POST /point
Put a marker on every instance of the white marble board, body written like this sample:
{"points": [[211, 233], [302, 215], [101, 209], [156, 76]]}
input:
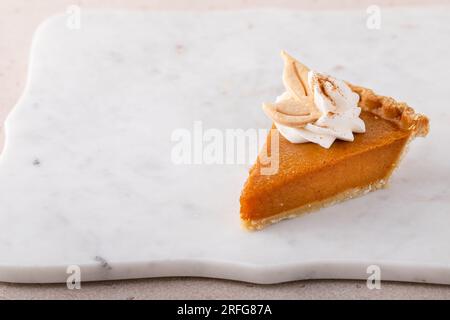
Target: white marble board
{"points": [[86, 176]]}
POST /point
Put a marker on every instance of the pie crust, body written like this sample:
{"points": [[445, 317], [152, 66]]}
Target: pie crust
{"points": [[397, 112]]}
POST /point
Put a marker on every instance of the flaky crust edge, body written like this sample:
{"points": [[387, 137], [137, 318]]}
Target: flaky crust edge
{"points": [[389, 109]]}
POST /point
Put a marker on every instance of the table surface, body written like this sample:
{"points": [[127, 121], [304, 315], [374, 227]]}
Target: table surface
{"points": [[18, 20]]}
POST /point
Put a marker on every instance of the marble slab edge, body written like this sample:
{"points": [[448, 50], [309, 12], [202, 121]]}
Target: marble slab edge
{"points": [[348, 270]]}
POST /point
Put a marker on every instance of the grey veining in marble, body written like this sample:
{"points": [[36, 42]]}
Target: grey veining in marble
{"points": [[86, 176]]}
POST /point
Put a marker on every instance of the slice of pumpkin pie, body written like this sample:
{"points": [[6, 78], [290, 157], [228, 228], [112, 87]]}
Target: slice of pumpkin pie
{"points": [[334, 141]]}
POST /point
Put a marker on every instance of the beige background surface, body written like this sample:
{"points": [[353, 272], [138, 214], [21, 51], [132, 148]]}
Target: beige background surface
{"points": [[18, 20]]}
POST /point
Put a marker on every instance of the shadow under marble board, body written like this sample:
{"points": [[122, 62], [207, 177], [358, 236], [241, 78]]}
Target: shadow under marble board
{"points": [[87, 176]]}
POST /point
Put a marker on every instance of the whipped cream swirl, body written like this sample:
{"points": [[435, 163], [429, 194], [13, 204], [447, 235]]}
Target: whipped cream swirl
{"points": [[339, 109]]}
